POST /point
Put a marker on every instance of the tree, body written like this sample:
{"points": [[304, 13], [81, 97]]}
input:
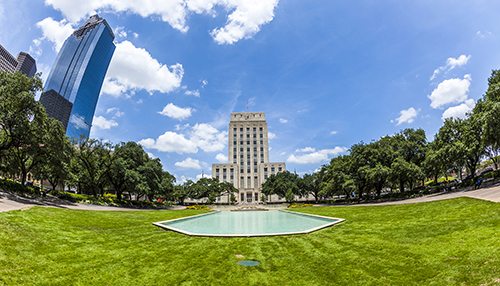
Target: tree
{"points": [[338, 180], [125, 162], [91, 165], [181, 192], [312, 183], [228, 189], [19, 110], [281, 184], [58, 153]]}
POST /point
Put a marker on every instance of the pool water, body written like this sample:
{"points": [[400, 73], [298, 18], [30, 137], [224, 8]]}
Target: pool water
{"points": [[248, 223]]}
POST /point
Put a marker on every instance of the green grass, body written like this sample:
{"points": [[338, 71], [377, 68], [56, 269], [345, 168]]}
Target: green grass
{"points": [[448, 242]]}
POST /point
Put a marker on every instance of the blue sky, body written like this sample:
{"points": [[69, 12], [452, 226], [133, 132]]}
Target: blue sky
{"points": [[328, 74]]}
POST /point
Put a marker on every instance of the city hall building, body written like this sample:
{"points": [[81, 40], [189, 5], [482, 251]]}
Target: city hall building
{"points": [[248, 164]]}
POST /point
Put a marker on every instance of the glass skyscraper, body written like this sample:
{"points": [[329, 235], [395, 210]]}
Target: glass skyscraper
{"points": [[75, 80]]}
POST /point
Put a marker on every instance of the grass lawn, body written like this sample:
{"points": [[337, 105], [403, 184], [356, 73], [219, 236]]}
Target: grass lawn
{"points": [[442, 243]]}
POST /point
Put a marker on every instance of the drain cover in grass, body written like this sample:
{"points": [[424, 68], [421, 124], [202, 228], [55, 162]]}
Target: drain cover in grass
{"points": [[248, 263]]}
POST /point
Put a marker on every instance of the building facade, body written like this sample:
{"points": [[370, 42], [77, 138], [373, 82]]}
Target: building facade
{"points": [[24, 63], [75, 80], [248, 164]]}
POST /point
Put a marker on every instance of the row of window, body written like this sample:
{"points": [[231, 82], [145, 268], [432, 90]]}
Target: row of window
{"points": [[242, 183]]}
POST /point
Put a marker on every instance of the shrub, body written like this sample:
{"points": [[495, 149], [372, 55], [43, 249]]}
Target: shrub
{"points": [[10, 186], [198, 207], [299, 205]]}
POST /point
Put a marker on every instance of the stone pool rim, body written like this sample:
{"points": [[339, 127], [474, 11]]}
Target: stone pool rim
{"points": [[333, 219]]}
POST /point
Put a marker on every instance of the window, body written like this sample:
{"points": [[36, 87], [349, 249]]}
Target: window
{"points": [[261, 142], [242, 182], [235, 142], [234, 156], [217, 173], [279, 169], [242, 197], [249, 182], [254, 142], [241, 129], [260, 129], [261, 149], [241, 149], [255, 182], [256, 197], [254, 129], [248, 149], [255, 170], [261, 136], [248, 142], [272, 170], [248, 135]]}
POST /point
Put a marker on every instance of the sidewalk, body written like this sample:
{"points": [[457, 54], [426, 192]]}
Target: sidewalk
{"points": [[10, 202]]}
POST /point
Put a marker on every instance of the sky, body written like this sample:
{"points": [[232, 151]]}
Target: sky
{"points": [[327, 74]]}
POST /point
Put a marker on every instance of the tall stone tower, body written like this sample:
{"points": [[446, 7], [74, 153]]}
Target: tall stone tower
{"points": [[248, 156]]}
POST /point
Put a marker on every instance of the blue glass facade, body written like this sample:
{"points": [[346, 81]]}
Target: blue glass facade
{"points": [[77, 75]]}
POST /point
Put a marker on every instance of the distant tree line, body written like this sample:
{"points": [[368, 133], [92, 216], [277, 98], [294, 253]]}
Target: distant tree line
{"points": [[406, 159], [33, 144]]}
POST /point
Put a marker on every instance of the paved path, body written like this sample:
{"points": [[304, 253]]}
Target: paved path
{"points": [[12, 202], [487, 193]]}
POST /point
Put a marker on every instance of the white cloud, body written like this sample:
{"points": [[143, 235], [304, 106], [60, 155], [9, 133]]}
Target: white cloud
{"points": [[135, 35], [54, 31], [151, 155], [407, 115], [133, 68], [244, 20], [208, 138], [282, 153], [192, 92], [176, 112], [306, 149], [482, 35], [120, 32], [221, 158], [316, 157], [170, 142], [103, 123], [189, 163], [116, 111], [202, 175], [202, 136], [203, 83], [271, 135], [283, 120], [459, 111], [451, 63], [333, 132], [450, 91]]}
